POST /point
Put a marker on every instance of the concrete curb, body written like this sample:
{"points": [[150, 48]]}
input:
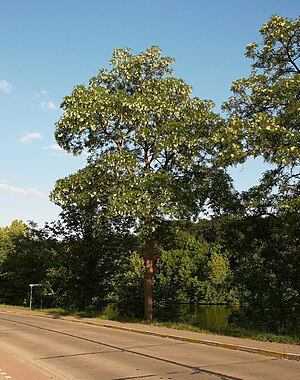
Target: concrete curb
{"points": [[237, 347], [276, 354]]}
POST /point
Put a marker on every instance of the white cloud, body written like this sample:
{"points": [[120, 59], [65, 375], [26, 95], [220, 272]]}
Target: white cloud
{"points": [[5, 86], [55, 149], [29, 137], [49, 106], [26, 192], [41, 93]]}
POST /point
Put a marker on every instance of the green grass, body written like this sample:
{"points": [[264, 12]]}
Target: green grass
{"points": [[110, 314], [234, 332], [15, 307]]}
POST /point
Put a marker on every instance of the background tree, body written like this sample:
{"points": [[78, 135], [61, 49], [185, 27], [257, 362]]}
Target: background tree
{"points": [[197, 273], [263, 120], [92, 245], [264, 117], [264, 254], [25, 257], [149, 143]]}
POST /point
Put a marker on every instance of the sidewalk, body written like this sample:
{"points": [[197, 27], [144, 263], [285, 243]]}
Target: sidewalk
{"points": [[279, 350]]}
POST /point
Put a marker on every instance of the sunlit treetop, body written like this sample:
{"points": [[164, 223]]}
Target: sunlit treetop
{"points": [[264, 112], [143, 129], [279, 53], [137, 106], [264, 109]]}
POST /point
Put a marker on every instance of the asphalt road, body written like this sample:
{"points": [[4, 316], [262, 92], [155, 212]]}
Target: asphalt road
{"points": [[37, 348]]}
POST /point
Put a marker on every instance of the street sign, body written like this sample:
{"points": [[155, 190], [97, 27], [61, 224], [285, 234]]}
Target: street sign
{"points": [[31, 286]]}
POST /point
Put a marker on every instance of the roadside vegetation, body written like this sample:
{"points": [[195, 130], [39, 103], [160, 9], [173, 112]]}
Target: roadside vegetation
{"points": [[154, 221]]}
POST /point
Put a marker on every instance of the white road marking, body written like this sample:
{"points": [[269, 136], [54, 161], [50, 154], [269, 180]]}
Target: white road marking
{"points": [[5, 374]]}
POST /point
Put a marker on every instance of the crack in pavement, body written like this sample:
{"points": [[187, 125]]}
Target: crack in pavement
{"points": [[71, 355]]}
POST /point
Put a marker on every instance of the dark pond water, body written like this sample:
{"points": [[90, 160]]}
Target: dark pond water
{"points": [[207, 316]]}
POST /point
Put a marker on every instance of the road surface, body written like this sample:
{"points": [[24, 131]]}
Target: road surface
{"points": [[38, 348]]}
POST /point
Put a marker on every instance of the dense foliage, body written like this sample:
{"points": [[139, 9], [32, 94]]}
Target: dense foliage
{"points": [[226, 260], [24, 259]]}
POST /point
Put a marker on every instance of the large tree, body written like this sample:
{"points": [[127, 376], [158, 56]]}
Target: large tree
{"points": [[264, 116], [149, 145]]}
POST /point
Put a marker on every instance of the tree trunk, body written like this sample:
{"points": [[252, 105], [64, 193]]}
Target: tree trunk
{"points": [[149, 251]]}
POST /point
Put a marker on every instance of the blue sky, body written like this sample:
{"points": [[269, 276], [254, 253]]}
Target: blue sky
{"points": [[49, 46]]}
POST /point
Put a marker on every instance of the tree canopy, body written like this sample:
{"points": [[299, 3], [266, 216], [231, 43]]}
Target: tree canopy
{"points": [[145, 134], [263, 113]]}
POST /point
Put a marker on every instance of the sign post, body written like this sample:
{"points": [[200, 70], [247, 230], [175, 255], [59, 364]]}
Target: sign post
{"points": [[32, 286]]}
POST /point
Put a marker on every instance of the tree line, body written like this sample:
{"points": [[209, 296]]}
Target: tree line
{"points": [[251, 261], [153, 219]]}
